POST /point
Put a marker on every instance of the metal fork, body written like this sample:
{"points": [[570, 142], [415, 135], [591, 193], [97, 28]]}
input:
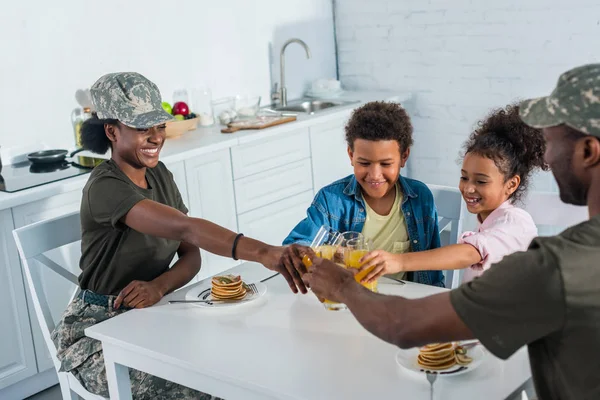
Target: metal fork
{"points": [[431, 377], [253, 288]]}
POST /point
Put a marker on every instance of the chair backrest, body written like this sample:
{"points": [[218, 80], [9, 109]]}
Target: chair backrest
{"points": [[449, 204], [32, 242], [548, 210]]}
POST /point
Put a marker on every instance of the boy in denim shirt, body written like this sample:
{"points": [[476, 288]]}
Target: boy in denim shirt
{"points": [[397, 214]]}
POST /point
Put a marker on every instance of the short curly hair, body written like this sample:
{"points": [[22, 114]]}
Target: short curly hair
{"points": [[379, 120], [515, 147]]}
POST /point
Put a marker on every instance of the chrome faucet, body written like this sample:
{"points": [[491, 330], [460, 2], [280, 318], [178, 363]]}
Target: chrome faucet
{"points": [[282, 93]]}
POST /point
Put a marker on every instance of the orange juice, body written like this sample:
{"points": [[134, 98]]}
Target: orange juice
{"points": [[327, 252], [353, 261], [306, 261]]}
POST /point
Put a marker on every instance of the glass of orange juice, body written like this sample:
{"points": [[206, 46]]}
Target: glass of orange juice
{"points": [[326, 244], [354, 250]]}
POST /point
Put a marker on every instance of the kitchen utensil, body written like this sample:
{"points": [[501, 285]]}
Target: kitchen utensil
{"points": [[51, 156], [431, 378], [258, 123]]}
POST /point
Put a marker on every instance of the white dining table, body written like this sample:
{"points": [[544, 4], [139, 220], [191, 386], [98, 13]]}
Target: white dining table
{"points": [[282, 346]]}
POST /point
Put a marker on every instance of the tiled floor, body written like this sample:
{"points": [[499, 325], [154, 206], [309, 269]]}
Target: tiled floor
{"points": [[52, 393]]}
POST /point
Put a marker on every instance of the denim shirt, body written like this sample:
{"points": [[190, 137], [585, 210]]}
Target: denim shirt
{"points": [[340, 206]]}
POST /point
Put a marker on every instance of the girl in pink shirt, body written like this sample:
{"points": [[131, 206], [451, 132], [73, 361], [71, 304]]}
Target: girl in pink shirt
{"points": [[499, 159]]}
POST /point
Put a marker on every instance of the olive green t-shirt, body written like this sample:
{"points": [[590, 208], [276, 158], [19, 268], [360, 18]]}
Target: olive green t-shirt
{"points": [[547, 298], [113, 254]]}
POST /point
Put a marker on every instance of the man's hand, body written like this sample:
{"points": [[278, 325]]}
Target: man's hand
{"points": [[288, 262], [380, 263], [327, 280], [138, 294]]}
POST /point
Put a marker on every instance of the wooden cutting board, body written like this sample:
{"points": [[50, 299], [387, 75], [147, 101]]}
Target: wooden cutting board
{"points": [[257, 123]]}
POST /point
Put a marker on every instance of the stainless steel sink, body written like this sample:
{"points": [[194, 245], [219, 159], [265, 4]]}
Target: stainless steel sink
{"points": [[311, 106]]}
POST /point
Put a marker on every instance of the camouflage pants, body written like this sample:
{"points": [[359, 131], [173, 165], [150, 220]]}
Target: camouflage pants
{"points": [[82, 356]]}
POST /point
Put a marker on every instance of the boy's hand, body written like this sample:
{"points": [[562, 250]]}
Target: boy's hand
{"points": [[381, 263]]}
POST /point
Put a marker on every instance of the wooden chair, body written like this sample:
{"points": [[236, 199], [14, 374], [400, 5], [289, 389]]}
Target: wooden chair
{"points": [[32, 242]]}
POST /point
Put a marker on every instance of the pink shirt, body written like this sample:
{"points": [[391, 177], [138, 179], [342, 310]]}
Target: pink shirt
{"points": [[506, 230]]}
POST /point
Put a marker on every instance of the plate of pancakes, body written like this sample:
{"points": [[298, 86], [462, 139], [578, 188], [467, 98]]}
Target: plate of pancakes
{"points": [[225, 291], [441, 358]]}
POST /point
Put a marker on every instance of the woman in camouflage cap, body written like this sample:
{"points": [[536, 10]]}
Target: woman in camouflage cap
{"points": [[133, 222]]}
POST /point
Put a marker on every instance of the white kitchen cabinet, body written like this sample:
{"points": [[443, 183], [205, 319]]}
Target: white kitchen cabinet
{"points": [[17, 357], [210, 191], [58, 289], [273, 185], [178, 171], [272, 223], [329, 151], [269, 153]]}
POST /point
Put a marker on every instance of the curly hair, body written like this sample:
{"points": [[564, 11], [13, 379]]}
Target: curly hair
{"points": [[515, 148], [380, 120], [93, 137]]}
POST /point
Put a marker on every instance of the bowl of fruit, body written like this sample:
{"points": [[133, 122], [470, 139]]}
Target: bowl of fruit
{"points": [[185, 120]]}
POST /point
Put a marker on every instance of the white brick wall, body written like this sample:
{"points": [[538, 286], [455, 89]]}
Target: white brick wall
{"points": [[461, 58]]}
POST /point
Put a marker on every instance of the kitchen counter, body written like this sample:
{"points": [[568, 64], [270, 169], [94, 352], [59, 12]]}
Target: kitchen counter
{"points": [[206, 140]]}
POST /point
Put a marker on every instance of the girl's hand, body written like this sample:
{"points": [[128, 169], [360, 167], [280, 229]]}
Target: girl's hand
{"points": [[380, 263]]}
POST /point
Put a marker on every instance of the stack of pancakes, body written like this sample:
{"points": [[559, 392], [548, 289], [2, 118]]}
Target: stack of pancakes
{"points": [[439, 356], [228, 287]]}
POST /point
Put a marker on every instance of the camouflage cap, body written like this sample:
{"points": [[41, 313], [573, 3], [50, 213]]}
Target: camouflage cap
{"points": [[130, 98], [575, 102]]}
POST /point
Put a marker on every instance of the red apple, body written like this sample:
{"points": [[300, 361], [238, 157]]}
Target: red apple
{"points": [[180, 108]]}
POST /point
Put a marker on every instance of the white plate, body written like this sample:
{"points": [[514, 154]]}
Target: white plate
{"points": [[407, 359], [202, 292]]}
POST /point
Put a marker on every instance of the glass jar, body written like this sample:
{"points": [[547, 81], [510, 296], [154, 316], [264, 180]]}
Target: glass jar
{"points": [[202, 106], [78, 117]]}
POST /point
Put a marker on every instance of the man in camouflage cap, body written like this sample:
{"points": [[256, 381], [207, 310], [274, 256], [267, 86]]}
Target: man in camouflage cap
{"points": [[130, 98], [547, 298], [574, 102], [571, 112]]}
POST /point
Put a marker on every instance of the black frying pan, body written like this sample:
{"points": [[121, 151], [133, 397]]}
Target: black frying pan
{"points": [[51, 156]]}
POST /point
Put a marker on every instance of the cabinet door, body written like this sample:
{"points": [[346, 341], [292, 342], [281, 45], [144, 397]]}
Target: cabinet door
{"points": [[268, 187], [329, 152], [274, 222], [58, 289], [270, 153], [210, 191], [17, 358], [178, 171]]}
